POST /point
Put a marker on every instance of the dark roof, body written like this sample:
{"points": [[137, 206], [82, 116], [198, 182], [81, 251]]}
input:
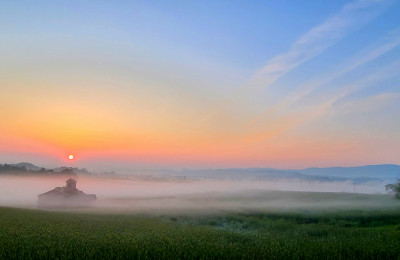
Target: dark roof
{"points": [[57, 190], [63, 192]]}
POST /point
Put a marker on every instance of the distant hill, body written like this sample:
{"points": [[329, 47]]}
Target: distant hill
{"points": [[28, 166], [74, 170], [382, 171], [277, 174], [25, 168], [360, 174]]}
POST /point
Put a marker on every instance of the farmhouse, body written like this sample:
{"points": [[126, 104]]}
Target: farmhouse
{"points": [[67, 196]]}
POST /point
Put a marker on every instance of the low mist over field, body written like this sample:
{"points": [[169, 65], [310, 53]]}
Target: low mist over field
{"points": [[198, 192]]}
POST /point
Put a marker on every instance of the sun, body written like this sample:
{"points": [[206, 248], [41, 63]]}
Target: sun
{"points": [[71, 157]]}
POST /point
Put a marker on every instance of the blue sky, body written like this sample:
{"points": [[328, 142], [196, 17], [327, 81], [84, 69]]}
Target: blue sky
{"points": [[247, 80]]}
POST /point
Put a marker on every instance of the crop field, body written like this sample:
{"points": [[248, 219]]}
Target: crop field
{"points": [[339, 234]]}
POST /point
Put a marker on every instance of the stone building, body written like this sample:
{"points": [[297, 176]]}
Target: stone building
{"points": [[67, 196]]}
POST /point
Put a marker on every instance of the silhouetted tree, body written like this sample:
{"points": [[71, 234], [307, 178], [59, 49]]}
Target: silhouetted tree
{"points": [[394, 189], [67, 171], [8, 168]]}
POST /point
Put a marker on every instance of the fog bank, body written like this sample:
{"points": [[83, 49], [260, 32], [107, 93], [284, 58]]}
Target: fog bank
{"points": [[163, 195]]}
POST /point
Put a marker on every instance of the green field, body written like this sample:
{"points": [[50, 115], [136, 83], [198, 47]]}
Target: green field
{"points": [[348, 234]]}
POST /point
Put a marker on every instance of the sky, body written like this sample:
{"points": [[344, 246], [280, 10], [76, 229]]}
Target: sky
{"points": [[200, 84]]}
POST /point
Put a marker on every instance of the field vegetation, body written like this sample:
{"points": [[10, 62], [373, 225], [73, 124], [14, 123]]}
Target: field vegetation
{"points": [[302, 234]]}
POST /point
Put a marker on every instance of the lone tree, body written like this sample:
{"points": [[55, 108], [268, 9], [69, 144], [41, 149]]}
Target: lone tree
{"points": [[394, 189]]}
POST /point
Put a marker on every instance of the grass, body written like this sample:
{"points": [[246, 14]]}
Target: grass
{"points": [[34, 234]]}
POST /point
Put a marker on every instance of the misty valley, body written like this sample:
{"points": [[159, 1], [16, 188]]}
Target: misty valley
{"points": [[204, 129], [198, 214]]}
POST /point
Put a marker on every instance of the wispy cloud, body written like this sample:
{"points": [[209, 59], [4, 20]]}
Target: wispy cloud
{"points": [[384, 45], [352, 16], [279, 125], [370, 53], [362, 105], [286, 114]]}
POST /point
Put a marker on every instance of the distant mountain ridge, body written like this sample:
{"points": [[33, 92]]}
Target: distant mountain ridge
{"points": [[358, 174], [25, 168], [371, 171], [310, 174], [28, 166]]}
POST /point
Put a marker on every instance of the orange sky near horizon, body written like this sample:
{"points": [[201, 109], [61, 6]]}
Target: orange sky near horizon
{"points": [[194, 89], [119, 127]]}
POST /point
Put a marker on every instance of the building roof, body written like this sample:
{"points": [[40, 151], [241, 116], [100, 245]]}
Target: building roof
{"points": [[63, 191], [65, 196]]}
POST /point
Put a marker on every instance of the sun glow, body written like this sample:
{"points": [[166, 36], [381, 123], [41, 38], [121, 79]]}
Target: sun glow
{"points": [[70, 157]]}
